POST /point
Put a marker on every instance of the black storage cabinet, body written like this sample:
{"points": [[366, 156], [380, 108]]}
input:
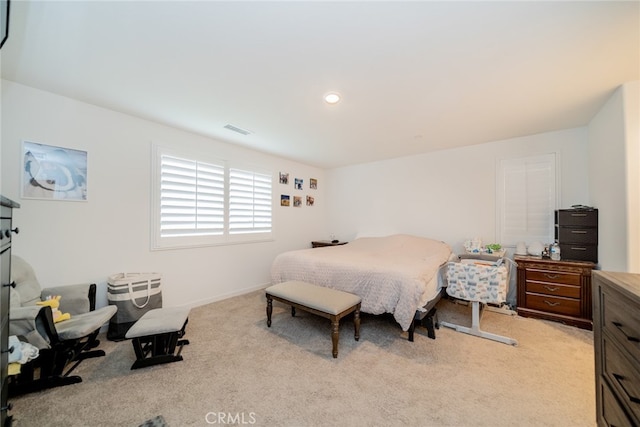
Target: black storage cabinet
{"points": [[577, 234]]}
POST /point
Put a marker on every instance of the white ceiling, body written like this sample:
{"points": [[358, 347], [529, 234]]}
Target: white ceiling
{"points": [[415, 76]]}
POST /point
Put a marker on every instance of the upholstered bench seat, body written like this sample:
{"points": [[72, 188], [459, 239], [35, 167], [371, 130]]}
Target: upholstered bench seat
{"points": [[326, 302], [156, 334]]}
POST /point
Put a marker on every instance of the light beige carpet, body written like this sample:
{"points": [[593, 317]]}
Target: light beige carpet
{"points": [[236, 371]]}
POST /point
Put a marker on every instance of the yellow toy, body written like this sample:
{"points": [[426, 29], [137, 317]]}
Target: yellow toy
{"points": [[54, 303]]}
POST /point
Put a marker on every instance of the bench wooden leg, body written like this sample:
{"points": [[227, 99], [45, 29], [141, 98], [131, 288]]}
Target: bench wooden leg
{"points": [[335, 334], [356, 323], [269, 310]]}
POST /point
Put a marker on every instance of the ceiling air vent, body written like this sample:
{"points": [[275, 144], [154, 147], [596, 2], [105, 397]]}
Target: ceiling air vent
{"points": [[237, 129]]}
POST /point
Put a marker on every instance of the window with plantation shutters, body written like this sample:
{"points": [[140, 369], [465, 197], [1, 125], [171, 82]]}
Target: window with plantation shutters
{"points": [[249, 202], [191, 198], [526, 199], [203, 202]]}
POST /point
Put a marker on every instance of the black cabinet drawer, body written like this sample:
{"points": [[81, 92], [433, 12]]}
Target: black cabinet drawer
{"points": [[577, 218], [578, 252], [578, 235]]}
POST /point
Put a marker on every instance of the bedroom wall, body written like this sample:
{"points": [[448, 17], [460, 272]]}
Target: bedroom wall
{"points": [[73, 242], [632, 134], [448, 195], [613, 171]]}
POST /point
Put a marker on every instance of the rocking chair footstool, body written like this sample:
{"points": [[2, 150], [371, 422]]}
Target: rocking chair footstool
{"points": [[156, 335]]}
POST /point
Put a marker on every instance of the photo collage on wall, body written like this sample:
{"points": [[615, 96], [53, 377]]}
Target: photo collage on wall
{"points": [[298, 185]]}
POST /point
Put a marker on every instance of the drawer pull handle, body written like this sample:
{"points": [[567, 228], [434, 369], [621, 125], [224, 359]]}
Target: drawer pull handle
{"points": [[628, 337], [9, 350], [551, 304], [12, 284], [550, 288], [578, 232], [579, 249], [621, 378], [578, 214], [550, 276], [7, 408]]}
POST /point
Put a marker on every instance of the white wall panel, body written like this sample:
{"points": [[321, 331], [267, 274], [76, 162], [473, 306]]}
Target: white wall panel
{"points": [[70, 242], [448, 195]]}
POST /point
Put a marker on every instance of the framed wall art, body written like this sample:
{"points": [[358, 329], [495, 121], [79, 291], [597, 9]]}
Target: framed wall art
{"points": [[53, 173]]}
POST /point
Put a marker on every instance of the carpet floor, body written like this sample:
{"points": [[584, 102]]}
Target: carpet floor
{"points": [[237, 371]]}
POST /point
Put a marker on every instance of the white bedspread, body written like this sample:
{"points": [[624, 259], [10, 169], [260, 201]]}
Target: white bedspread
{"points": [[394, 274]]}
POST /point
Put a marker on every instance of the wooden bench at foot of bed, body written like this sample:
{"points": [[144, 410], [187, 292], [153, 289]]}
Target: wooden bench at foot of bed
{"points": [[326, 302]]}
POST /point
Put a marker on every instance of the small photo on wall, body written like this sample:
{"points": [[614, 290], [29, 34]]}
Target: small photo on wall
{"points": [[284, 178], [297, 201], [310, 201], [313, 183], [284, 200], [298, 183]]}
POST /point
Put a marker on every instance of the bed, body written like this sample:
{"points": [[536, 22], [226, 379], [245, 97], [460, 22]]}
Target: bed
{"points": [[398, 274]]}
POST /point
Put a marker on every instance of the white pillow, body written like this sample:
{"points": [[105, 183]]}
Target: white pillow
{"points": [[362, 234]]}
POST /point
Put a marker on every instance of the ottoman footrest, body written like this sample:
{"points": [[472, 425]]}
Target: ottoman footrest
{"points": [[156, 335]]}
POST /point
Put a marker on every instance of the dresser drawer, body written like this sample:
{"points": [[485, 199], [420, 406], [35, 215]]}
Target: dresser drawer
{"points": [[550, 276], [550, 304], [621, 321], [5, 261], [612, 413], [577, 218], [622, 375], [5, 232], [553, 289], [578, 235]]}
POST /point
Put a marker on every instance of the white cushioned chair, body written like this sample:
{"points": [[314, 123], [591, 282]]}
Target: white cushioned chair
{"points": [[63, 345]]}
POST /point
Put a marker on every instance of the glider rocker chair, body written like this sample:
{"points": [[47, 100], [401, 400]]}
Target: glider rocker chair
{"points": [[63, 345]]}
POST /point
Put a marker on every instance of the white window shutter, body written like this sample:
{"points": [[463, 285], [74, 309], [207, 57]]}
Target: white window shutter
{"points": [[249, 202], [191, 198], [526, 199]]}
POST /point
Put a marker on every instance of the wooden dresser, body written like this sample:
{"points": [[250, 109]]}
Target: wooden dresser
{"points": [[6, 230], [616, 330], [555, 290]]}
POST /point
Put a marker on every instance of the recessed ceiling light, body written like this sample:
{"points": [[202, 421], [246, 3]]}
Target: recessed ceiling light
{"points": [[332, 98]]}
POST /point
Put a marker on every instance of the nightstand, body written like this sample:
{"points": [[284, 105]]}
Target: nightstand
{"points": [[555, 290], [323, 243]]}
